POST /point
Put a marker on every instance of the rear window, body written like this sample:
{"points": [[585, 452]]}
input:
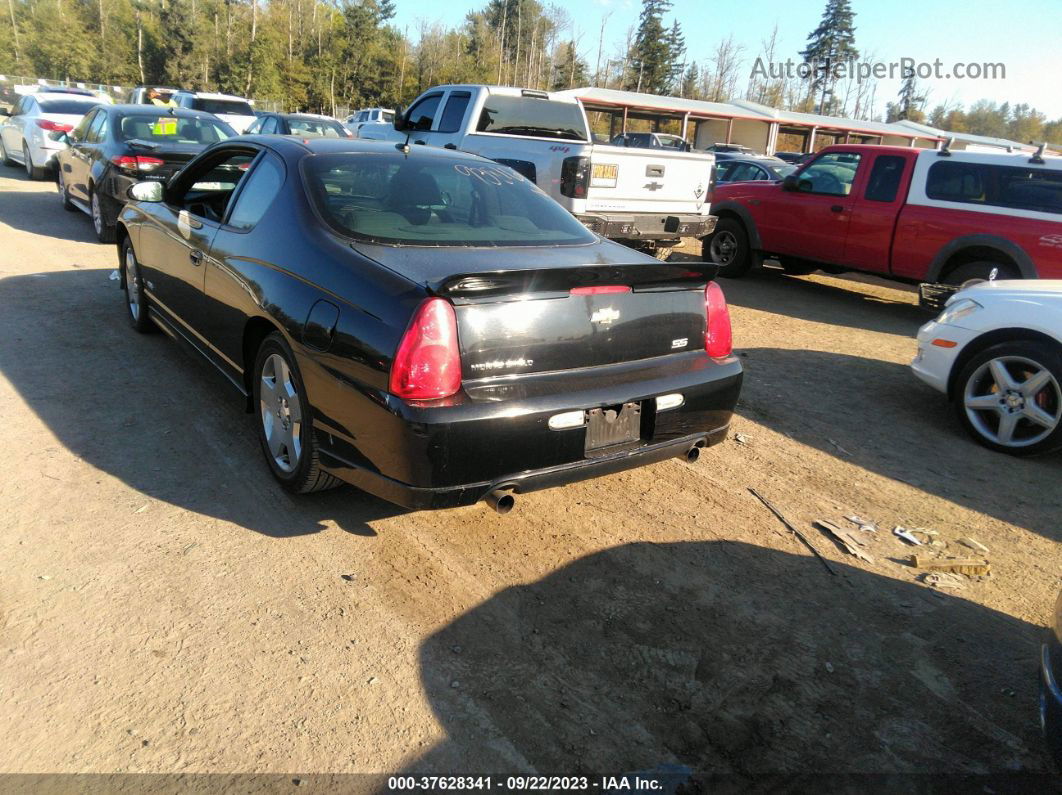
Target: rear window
{"points": [[433, 201], [531, 116], [1035, 189], [316, 128], [162, 128], [69, 107], [230, 107]]}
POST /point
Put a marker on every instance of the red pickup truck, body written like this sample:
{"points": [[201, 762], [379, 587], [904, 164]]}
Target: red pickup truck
{"points": [[915, 215]]}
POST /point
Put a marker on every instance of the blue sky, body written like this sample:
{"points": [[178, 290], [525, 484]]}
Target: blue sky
{"points": [[1022, 37]]}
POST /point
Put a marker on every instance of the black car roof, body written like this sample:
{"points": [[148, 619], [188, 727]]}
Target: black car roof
{"points": [[293, 146], [160, 110]]}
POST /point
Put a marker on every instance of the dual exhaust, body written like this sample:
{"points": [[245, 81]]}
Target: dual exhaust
{"points": [[503, 501]]}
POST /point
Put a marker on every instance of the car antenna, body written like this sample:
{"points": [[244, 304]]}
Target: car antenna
{"points": [[1038, 158], [404, 147]]}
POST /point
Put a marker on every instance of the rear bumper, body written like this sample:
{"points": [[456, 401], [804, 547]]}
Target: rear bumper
{"points": [[643, 226], [497, 435]]}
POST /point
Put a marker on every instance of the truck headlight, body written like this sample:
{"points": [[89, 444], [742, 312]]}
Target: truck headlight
{"points": [[957, 310]]}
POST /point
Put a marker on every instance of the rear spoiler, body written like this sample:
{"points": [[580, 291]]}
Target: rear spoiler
{"points": [[556, 282]]}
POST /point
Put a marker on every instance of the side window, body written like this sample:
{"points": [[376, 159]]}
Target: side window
{"points": [[422, 114], [29, 105], [205, 190], [96, 128], [454, 112], [885, 178], [1033, 189], [269, 126], [262, 187], [82, 128], [956, 182], [831, 174], [255, 126]]}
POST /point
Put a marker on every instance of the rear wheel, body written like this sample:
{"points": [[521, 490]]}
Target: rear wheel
{"points": [[981, 271], [285, 420], [133, 287], [32, 171], [1009, 397], [64, 192], [103, 217], [728, 247]]}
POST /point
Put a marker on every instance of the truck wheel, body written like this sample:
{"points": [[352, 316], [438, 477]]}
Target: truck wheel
{"points": [[728, 247], [976, 272], [1009, 397]]}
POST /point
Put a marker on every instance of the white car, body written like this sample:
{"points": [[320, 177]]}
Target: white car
{"points": [[996, 352], [234, 111], [26, 134], [377, 123]]}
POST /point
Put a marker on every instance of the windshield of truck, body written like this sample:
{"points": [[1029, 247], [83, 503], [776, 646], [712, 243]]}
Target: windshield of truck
{"points": [[435, 201], [531, 116]]}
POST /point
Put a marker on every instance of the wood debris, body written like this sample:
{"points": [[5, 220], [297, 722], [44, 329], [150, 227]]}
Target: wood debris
{"points": [[849, 542], [972, 566], [973, 544]]}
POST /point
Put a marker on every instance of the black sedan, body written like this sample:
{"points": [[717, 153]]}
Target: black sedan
{"points": [[116, 146], [422, 323], [752, 169], [307, 125]]}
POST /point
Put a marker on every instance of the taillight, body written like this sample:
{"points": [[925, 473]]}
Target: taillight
{"points": [[601, 289], [137, 163], [427, 364], [718, 339], [575, 174], [711, 185], [53, 126]]}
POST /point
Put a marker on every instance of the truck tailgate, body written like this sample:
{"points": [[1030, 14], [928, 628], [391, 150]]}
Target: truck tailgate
{"points": [[648, 180]]}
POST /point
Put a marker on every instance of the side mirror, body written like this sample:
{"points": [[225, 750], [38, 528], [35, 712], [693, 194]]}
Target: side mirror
{"points": [[5, 112], [400, 119], [791, 183], [146, 191]]}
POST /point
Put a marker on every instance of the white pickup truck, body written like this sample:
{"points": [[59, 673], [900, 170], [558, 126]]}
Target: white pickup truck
{"points": [[644, 198]]}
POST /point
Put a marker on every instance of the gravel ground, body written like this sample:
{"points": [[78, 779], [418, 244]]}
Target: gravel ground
{"points": [[164, 607]]}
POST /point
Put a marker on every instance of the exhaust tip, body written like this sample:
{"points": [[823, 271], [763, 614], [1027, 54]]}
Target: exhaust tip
{"points": [[693, 454], [501, 501]]}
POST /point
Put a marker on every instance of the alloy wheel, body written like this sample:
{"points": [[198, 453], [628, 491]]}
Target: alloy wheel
{"points": [[97, 213], [280, 413], [1013, 401], [61, 185], [723, 248], [27, 162], [132, 283]]}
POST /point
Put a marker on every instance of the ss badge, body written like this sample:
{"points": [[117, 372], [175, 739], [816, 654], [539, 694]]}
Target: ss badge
{"points": [[681, 342]]}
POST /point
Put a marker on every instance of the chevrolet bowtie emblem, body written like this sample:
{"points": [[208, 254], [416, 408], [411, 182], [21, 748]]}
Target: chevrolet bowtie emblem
{"points": [[605, 316], [654, 186]]}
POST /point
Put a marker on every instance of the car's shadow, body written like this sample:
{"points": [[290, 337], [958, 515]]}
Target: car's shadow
{"points": [[143, 410], [878, 416], [726, 658], [39, 211]]}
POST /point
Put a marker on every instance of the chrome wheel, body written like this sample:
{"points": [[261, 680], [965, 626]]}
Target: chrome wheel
{"points": [[1013, 401], [60, 184], [132, 283], [280, 412], [723, 247], [27, 162], [97, 213]]}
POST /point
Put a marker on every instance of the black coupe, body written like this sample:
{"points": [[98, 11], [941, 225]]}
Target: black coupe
{"points": [[422, 323]]}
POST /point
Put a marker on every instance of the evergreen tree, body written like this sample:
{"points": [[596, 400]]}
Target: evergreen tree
{"points": [[651, 56], [910, 104], [830, 44]]}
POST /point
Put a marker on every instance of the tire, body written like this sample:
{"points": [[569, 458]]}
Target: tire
{"points": [[64, 192], [5, 158], [136, 305], [285, 420], [103, 216], [981, 271], [728, 247], [32, 171], [1009, 397]]}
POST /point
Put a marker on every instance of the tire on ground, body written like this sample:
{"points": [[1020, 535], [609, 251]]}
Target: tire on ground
{"points": [[971, 273], [728, 247]]}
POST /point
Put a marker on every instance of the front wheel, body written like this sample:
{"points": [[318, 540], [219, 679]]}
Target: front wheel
{"points": [[285, 420], [1009, 397], [64, 191], [133, 287], [728, 247]]}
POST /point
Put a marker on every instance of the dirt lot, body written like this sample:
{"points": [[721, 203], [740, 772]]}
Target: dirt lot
{"points": [[165, 607]]}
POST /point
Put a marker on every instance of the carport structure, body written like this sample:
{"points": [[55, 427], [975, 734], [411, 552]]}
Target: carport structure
{"points": [[740, 122]]}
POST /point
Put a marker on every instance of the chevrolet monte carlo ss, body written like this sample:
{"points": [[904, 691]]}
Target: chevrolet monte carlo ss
{"points": [[422, 323]]}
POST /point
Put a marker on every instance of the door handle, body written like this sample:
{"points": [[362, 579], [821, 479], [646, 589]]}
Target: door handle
{"points": [[837, 209], [196, 256], [419, 142], [450, 146]]}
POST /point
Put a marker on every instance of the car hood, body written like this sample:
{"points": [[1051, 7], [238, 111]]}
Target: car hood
{"points": [[1033, 289]]}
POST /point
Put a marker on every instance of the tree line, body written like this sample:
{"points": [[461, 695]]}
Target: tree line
{"points": [[324, 55]]}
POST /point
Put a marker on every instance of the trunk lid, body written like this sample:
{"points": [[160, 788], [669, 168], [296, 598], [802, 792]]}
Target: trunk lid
{"points": [[535, 318], [648, 180]]}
